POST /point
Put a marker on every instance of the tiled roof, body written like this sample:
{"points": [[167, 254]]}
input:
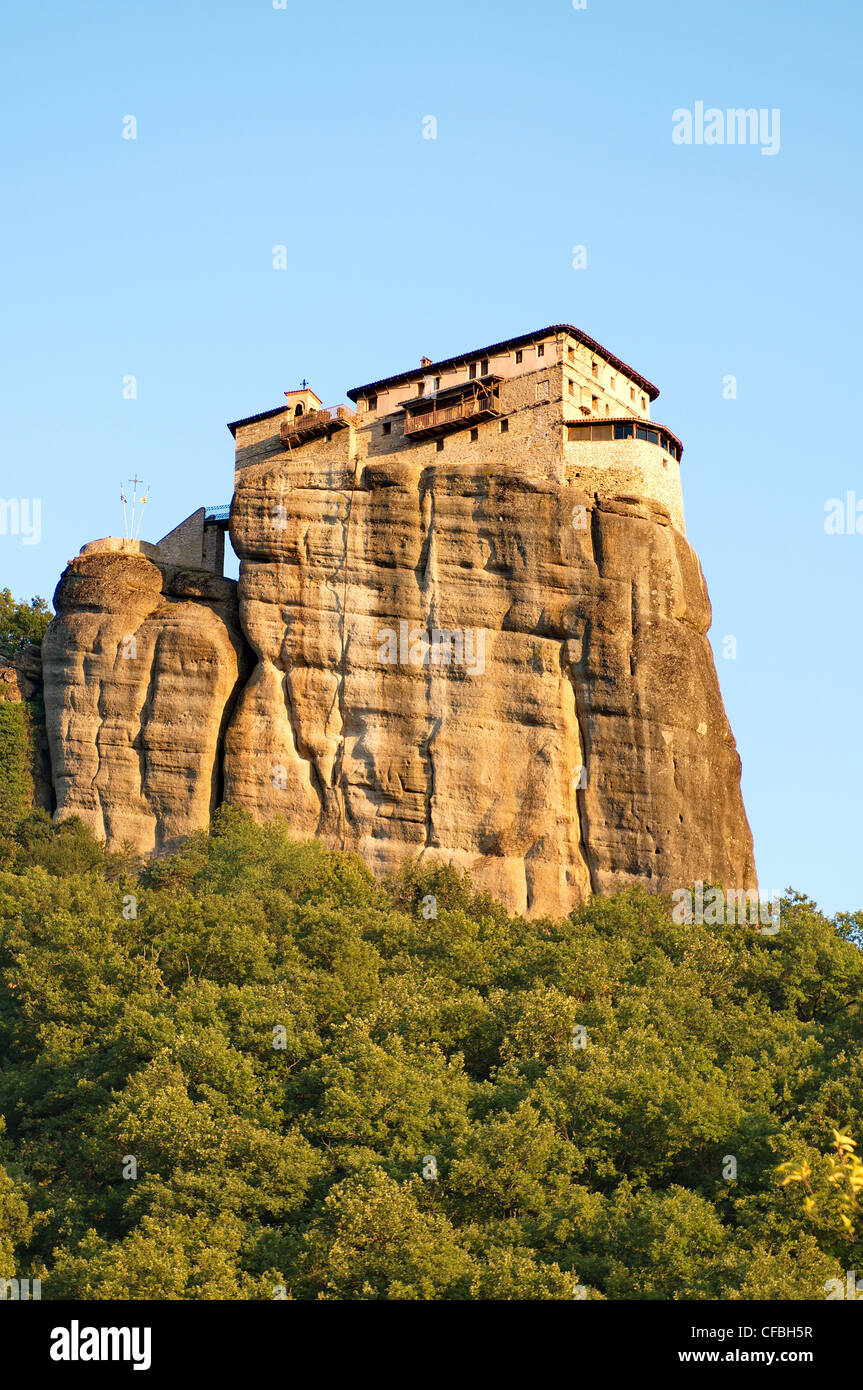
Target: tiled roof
{"points": [[445, 363], [625, 420], [253, 419]]}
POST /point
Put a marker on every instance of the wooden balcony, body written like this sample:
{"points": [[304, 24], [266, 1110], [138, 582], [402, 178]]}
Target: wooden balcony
{"points": [[439, 417], [314, 424]]}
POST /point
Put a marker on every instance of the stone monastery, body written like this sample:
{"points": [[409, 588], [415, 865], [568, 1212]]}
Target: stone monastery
{"points": [[468, 626]]}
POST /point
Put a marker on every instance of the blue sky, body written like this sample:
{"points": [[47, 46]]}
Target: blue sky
{"points": [[303, 126]]}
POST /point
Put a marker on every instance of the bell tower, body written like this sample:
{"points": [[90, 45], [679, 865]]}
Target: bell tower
{"points": [[303, 400]]}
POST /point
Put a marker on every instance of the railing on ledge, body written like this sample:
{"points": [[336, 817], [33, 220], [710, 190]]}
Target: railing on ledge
{"points": [[438, 419], [313, 424]]}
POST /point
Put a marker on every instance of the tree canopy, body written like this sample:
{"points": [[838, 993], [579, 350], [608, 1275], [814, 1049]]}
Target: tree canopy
{"points": [[250, 1071], [21, 623]]}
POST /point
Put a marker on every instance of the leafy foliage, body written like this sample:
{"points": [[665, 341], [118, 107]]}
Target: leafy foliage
{"points": [[253, 1072], [18, 734], [21, 623]]}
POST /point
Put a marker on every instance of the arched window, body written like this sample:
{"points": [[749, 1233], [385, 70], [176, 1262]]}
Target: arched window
{"points": [[299, 410]]}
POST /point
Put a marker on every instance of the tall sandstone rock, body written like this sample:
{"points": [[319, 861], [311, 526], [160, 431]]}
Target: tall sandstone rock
{"points": [[588, 749], [575, 742], [140, 669]]}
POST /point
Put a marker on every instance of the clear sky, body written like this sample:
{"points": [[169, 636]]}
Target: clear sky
{"points": [[302, 127]]}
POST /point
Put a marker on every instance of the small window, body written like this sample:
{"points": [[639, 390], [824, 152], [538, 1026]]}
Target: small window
{"points": [[613, 382], [540, 352], [474, 436], [623, 431], [632, 393], [641, 433], [484, 367], [437, 383], [439, 446], [298, 412], [607, 410], [387, 429], [472, 371], [572, 388], [421, 388], [571, 352], [372, 402], [652, 437], [594, 402], [594, 367], [518, 356], [504, 426]]}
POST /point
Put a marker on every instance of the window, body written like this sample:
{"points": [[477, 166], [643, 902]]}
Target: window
{"points": [[623, 431], [613, 382], [439, 446], [632, 393], [298, 412], [504, 426], [542, 390], [641, 433], [594, 367], [652, 437], [372, 402], [484, 367], [540, 352], [572, 388], [472, 371], [437, 383], [571, 352], [518, 356], [594, 402], [387, 429], [474, 436], [421, 388], [582, 432], [607, 410], [643, 403]]}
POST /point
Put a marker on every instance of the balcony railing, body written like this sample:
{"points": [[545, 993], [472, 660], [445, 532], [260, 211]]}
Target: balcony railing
{"points": [[314, 423], [216, 515], [438, 419]]}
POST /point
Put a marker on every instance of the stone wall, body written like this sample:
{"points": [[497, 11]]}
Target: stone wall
{"points": [[626, 468]]}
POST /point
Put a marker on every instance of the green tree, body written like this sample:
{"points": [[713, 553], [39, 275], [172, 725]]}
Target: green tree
{"points": [[21, 623], [251, 1071]]}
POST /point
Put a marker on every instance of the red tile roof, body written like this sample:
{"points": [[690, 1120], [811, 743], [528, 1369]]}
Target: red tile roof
{"points": [[445, 363]]}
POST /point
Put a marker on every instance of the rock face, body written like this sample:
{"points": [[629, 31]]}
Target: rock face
{"points": [[489, 668], [580, 744], [140, 668]]}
